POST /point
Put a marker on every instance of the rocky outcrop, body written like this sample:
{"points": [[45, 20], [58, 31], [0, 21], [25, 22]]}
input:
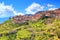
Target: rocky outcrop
{"points": [[37, 16]]}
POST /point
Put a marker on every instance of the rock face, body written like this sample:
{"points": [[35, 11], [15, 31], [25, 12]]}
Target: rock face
{"points": [[37, 16]]}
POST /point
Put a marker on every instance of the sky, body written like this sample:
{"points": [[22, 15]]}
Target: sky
{"points": [[10, 8]]}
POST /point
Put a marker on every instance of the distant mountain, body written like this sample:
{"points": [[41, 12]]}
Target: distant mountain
{"points": [[28, 14]]}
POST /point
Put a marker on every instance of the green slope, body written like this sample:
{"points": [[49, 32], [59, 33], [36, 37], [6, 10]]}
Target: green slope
{"points": [[30, 31]]}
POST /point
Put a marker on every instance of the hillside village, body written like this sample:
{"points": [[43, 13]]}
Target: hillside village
{"points": [[37, 16]]}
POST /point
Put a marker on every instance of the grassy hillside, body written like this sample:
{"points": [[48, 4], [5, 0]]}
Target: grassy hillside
{"points": [[30, 31]]}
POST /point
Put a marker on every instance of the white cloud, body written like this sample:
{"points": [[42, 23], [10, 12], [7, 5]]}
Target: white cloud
{"points": [[17, 13], [7, 11], [33, 8], [52, 8], [50, 5]]}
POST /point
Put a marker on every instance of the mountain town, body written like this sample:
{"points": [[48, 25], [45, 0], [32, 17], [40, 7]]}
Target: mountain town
{"points": [[43, 25]]}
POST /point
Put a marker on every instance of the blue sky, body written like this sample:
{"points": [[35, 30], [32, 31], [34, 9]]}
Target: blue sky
{"points": [[9, 8]]}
